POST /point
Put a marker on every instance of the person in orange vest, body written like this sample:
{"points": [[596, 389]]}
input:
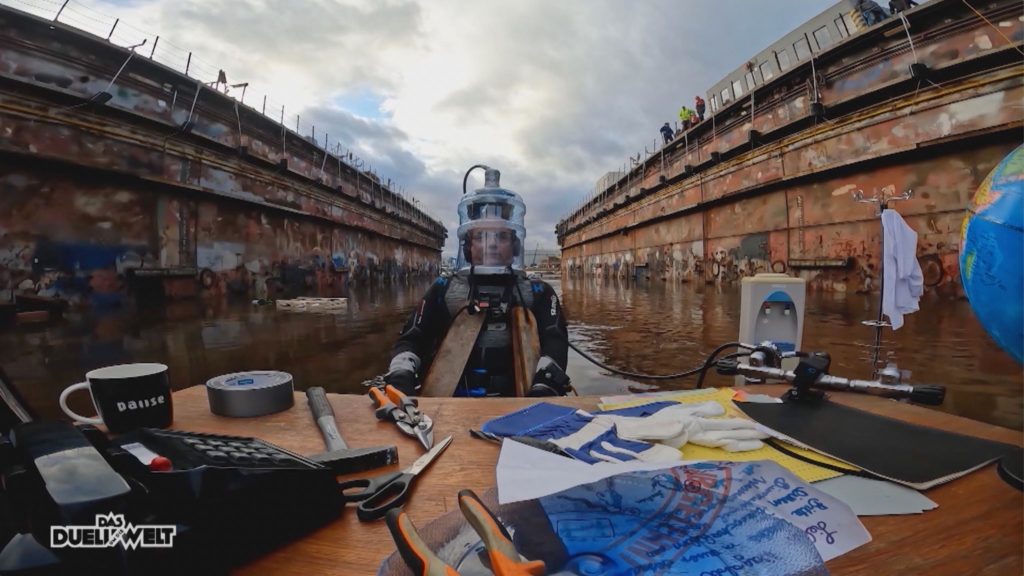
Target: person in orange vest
{"points": [[699, 104]]}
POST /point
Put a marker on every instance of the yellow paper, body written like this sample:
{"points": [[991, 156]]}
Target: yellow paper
{"points": [[806, 471]]}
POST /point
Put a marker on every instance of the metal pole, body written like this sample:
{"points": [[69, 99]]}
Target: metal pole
{"points": [[324, 163], [61, 10], [153, 51], [238, 117], [714, 134], [753, 108], [188, 63], [244, 88], [284, 134], [814, 80], [337, 154], [111, 33], [199, 88], [264, 109]]}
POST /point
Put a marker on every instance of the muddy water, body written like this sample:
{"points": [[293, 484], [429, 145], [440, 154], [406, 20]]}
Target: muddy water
{"points": [[650, 328]]}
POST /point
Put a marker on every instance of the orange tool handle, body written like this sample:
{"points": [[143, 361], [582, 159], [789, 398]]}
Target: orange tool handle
{"points": [[420, 559], [397, 396], [383, 404], [503, 555]]}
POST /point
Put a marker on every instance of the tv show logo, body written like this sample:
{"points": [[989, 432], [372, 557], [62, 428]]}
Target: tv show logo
{"points": [[111, 530]]}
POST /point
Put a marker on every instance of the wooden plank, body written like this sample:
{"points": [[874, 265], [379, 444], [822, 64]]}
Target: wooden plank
{"points": [[978, 527], [450, 360], [525, 348], [32, 317]]}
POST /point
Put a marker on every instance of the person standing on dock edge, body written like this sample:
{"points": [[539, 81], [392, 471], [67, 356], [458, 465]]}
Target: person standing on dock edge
{"points": [[896, 6], [666, 132], [490, 281], [684, 117], [700, 106], [871, 11]]}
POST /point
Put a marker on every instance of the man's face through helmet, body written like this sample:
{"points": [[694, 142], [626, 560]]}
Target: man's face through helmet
{"points": [[491, 231], [492, 246]]}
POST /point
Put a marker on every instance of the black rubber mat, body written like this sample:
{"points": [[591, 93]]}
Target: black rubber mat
{"points": [[917, 456]]}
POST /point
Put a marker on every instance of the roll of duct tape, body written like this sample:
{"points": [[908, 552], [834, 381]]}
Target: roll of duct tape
{"points": [[248, 394]]}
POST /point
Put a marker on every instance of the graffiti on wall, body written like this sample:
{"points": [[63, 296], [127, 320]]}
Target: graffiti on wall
{"points": [[78, 239], [816, 220]]}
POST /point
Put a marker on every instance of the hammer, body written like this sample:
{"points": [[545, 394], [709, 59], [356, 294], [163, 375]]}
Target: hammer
{"points": [[339, 457]]}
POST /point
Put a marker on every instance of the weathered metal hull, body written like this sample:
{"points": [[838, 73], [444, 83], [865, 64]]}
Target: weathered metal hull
{"points": [[209, 196], [727, 202]]}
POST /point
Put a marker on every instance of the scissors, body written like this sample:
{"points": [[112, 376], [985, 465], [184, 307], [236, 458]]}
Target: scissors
{"points": [[382, 493], [395, 406]]}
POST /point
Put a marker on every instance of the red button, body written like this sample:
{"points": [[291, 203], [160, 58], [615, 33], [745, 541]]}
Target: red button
{"points": [[160, 464]]}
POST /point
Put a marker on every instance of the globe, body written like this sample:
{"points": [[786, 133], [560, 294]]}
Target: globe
{"points": [[991, 254]]}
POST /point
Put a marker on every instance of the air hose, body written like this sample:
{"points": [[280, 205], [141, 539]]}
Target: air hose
{"points": [[702, 369]]}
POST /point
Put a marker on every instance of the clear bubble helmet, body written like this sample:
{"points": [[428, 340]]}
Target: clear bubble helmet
{"points": [[492, 228]]}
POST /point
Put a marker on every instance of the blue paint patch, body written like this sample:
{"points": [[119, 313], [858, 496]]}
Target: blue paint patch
{"points": [[82, 256]]}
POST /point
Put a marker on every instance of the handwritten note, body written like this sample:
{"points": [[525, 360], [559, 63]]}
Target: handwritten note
{"points": [[703, 518], [816, 513]]}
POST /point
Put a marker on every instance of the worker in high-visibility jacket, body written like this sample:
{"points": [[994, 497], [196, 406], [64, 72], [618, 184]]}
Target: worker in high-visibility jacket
{"points": [[685, 114]]}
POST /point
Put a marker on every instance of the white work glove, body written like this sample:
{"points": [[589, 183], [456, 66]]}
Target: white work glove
{"points": [[676, 426], [612, 445], [730, 434]]}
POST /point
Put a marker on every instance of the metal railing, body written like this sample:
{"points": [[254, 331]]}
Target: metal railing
{"points": [[77, 15]]}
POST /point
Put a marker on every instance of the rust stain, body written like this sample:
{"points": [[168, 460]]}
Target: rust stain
{"points": [[87, 196]]}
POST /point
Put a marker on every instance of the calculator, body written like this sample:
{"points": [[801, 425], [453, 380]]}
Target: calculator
{"points": [[175, 450], [234, 497]]}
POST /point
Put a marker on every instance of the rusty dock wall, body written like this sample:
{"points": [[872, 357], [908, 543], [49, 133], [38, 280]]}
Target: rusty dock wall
{"points": [[766, 185], [157, 175]]}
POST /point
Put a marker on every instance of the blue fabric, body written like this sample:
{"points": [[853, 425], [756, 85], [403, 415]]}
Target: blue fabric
{"points": [[706, 518], [545, 421], [587, 453], [522, 422], [638, 411]]}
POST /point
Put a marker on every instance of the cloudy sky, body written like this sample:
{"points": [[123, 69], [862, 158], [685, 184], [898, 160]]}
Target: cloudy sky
{"points": [[552, 93]]}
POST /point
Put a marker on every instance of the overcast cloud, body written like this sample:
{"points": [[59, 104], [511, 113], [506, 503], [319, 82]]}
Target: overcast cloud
{"points": [[554, 94]]}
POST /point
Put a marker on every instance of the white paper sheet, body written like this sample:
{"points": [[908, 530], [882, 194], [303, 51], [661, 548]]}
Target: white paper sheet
{"points": [[827, 521], [867, 497], [525, 473]]}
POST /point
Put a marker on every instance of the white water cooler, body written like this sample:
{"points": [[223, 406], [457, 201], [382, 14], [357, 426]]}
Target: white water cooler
{"points": [[772, 308]]}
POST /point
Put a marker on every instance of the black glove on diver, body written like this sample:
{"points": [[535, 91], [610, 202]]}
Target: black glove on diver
{"points": [[404, 380], [550, 379]]}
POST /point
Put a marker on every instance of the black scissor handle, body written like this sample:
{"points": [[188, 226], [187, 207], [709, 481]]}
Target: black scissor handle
{"points": [[392, 495], [368, 486]]}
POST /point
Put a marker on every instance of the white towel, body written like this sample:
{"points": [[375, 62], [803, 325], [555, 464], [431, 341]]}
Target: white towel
{"points": [[903, 282]]}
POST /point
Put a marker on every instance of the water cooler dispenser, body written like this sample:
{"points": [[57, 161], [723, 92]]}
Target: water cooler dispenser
{"points": [[772, 309]]}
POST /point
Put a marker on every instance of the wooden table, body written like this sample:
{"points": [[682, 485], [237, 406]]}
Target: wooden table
{"points": [[978, 527]]}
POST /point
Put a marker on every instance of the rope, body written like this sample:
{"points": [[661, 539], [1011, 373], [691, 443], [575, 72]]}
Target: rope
{"points": [[994, 27]]}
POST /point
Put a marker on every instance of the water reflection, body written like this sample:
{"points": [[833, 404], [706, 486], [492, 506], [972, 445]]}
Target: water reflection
{"points": [[658, 328], [652, 328]]}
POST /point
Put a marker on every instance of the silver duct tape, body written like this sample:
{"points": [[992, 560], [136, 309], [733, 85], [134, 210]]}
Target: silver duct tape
{"points": [[248, 394]]}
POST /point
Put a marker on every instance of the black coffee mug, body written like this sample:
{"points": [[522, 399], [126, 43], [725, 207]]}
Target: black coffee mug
{"points": [[126, 397]]}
